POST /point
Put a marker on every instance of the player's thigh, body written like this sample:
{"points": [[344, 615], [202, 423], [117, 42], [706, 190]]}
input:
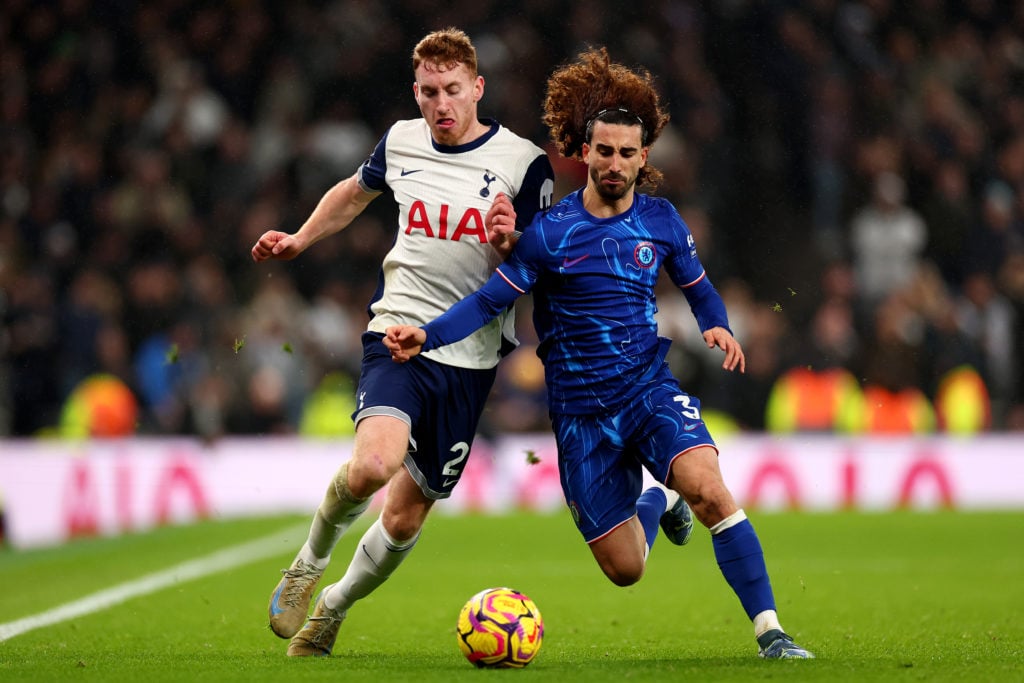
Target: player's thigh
{"points": [[422, 413], [444, 430], [378, 450], [405, 507], [599, 480]]}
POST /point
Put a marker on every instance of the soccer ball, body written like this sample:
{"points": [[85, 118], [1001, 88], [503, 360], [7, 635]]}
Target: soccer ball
{"points": [[500, 628]]}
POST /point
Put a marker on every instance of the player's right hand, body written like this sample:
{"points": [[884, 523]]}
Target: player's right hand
{"points": [[500, 223], [274, 244], [404, 341]]}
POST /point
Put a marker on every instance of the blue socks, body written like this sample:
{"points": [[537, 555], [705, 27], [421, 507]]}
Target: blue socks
{"points": [[650, 506], [741, 560]]}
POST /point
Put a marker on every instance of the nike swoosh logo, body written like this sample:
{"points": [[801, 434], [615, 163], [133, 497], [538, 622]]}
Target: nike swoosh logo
{"points": [[567, 263], [415, 170], [369, 557], [274, 609]]}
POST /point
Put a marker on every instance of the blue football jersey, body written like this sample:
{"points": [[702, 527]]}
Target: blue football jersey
{"points": [[593, 282]]}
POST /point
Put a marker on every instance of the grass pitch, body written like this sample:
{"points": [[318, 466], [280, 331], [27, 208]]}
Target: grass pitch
{"points": [[878, 597]]}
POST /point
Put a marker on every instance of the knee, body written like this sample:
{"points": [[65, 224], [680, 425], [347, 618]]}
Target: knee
{"points": [[368, 475], [623, 576], [401, 525], [711, 502]]}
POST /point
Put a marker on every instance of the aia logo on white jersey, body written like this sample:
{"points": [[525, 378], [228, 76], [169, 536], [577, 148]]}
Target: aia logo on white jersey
{"points": [[470, 224]]}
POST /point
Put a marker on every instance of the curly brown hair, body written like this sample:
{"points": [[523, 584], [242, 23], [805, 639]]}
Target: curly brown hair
{"points": [[593, 86]]}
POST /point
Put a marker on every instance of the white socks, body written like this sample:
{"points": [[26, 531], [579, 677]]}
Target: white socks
{"points": [[337, 511], [376, 557], [323, 536]]}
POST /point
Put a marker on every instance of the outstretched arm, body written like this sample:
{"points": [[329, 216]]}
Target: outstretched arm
{"points": [[337, 208], [458, 322]]}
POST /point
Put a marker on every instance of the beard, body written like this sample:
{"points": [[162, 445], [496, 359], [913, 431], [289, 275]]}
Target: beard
{"points": [[614, 192]]}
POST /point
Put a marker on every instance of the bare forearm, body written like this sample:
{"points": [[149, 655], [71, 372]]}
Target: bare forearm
{"points": [[336, 209]]}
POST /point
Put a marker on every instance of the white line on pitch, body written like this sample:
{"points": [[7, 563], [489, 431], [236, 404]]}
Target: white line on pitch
{"points": [[219, 561]]}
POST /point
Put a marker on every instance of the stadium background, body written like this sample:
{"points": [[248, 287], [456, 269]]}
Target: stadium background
{"points": [[853, 173]]}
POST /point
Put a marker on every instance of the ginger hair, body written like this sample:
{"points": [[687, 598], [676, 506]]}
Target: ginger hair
{"points": [[578, 91], [446, 48]]}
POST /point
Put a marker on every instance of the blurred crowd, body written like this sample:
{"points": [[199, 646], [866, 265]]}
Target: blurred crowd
{"points": [[852, 171]]}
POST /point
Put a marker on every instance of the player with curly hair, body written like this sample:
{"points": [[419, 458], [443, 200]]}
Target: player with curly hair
{"points": [[591, 262], [594, 89]]}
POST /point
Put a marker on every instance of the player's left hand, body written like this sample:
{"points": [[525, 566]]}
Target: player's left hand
{"points": [[720, 337], [500, 223]]}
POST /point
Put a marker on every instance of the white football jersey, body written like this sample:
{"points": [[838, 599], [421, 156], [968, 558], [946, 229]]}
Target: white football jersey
{"points": [[441, 253]]}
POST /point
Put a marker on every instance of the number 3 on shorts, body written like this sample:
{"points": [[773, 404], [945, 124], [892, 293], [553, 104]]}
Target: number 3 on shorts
{"points": [[691, 412]]}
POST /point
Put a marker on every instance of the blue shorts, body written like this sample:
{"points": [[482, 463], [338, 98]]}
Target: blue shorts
{"points": [[600, 456], [441, 404]]}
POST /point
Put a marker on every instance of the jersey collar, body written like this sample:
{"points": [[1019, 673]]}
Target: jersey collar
{"points": [[472, 144]]}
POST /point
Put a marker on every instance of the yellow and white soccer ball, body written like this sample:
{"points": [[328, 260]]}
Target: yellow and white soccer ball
{"points": [[500, 628]]}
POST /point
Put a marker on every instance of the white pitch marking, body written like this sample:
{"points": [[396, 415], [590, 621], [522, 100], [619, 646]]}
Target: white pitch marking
{"points": [[221, 560]]}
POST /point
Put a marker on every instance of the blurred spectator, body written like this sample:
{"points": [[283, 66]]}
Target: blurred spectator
{"points": [[32, 324], [950, 212], [999, 231], [186, 99], [766, 338], [272, 360], [93, 301], [893, 354], [328, 409], [148, 201], [833, 341], [987, 318], [830, 130], [887, 239], [1011, 279]]}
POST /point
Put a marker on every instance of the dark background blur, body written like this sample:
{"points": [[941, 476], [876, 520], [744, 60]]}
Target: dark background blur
{"points": [[853, 173]]}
